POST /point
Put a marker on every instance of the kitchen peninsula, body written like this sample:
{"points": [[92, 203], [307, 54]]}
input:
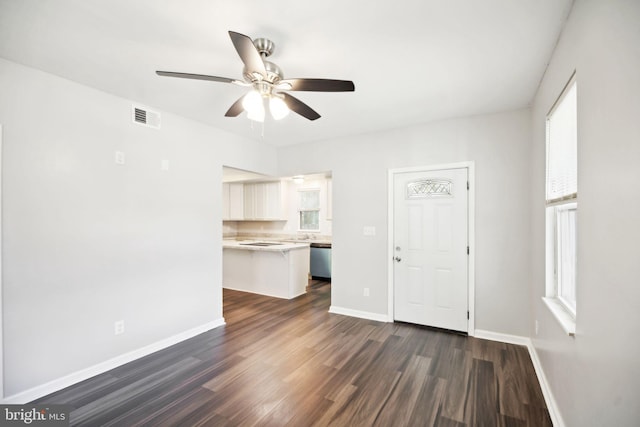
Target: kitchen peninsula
{"points": [[278, 269]]}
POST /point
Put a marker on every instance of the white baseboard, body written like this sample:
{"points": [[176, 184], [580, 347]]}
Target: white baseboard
{"points": [[361, 314], [76, 377], [552, 406], [506, 338]]}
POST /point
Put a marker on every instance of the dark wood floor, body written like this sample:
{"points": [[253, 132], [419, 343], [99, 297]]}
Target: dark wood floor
{"points": [[280, 362]]}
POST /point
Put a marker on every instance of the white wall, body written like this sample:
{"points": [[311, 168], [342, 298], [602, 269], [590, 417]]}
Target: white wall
{"points": [[595, 377], [498, 143], [87, 242]]}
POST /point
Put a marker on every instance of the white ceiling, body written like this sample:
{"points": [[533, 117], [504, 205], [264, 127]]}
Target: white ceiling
{"points": [[412, 61]]}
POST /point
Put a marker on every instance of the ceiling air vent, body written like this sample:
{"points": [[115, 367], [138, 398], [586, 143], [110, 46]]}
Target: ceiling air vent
{"points": [[144, 116]]}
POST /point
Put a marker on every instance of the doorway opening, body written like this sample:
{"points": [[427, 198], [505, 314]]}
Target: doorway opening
{"points": [[271, 211]]}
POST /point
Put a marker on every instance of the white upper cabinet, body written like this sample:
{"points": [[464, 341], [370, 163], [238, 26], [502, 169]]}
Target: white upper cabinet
{"points": [[263, 201], [236, 201], [233, 201], [225, 201], [250, 201]]}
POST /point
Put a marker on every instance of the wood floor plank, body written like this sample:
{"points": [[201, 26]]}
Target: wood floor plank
{"points": [[163, 409], [484, 410], [84, 392], [512, 393], [448, 422], [339, 398], [430, 398], [457, 391], [129, 397], [404, 399], [290, 362], [507, 421]]}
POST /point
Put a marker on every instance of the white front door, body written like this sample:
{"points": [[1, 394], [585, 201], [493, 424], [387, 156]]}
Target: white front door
{"points": [[430, 248]]}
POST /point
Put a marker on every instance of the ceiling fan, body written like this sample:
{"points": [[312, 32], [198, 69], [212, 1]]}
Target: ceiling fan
{"points": [[267, 82]]}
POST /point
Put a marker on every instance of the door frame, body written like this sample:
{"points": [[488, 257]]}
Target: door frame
{"points": [[2, 396], [471, 207]]}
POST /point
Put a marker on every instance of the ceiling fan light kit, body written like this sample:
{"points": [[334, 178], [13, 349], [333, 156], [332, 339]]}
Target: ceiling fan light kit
{"points": [[267, 82], [278, 108]]}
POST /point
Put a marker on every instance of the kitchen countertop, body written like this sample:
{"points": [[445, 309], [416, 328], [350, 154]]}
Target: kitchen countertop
{"points": [[277, 246]]}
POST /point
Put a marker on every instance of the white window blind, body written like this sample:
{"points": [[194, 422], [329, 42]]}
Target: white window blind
{"points": [[562, 147], [309, 209], [309, 199]]}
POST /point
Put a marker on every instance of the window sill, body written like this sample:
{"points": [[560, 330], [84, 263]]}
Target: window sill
{"points": [[566, 319]]}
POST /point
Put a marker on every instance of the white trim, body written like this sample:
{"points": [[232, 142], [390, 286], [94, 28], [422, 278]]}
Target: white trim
{"points": [[266, 294], [472, 247], [360, 314], [107, 365], [1, 287], [552, 406], [471, 208], [500, 337], [561, 314]]}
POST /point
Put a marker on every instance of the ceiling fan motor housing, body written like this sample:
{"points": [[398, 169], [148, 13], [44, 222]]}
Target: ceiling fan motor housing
{"points": [[264, 46]]}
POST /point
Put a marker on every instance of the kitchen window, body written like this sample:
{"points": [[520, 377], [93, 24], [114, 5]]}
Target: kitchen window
{"points": [[562, 207], [309, 209]]}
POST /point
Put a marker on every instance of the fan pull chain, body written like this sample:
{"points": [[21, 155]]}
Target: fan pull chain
{"points": [[261, 130]]}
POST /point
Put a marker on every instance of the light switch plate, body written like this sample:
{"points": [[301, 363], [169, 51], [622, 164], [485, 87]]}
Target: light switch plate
{"points": [[165, 165], [369, 230], [119, 158], [118, 327]]}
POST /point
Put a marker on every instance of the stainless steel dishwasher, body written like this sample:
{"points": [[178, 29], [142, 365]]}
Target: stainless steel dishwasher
{"points": [[321, 260]]}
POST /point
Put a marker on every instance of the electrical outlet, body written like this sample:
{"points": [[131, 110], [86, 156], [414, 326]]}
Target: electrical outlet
{"points": [[366, 292], [119, 158], [537, 327], [118, 327], [369, 230]]}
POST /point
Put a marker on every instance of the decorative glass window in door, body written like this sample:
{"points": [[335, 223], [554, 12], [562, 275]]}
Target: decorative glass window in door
{"points": [[429, 188]]}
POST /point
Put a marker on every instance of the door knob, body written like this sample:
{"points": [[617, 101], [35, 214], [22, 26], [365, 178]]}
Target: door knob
{"points": [[398, 259]]}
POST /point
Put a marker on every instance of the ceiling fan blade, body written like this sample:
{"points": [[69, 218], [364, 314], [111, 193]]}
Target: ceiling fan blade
{"points": [[300, 107], [196, 76], [317, 85], [235, 109], [248, 53]]}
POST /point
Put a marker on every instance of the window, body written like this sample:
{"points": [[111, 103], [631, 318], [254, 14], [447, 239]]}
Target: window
{"points": [[562, 206], [309, 209], [566, 254]]}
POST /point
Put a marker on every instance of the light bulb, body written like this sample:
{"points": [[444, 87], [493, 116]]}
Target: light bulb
{"points": [[252, 103], [257, 114], [279, 109]]}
